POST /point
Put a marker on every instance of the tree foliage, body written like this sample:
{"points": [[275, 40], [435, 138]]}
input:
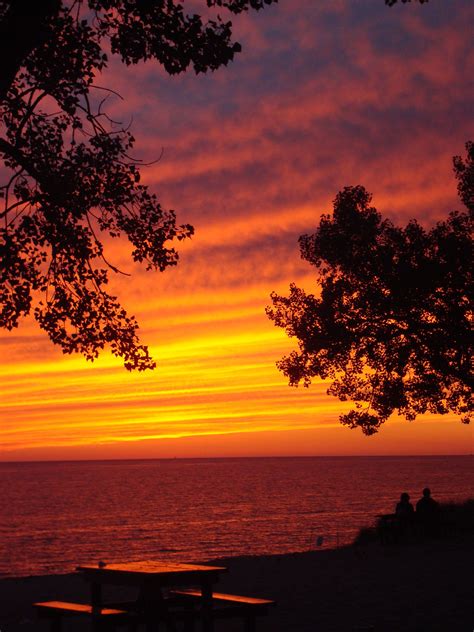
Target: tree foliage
{"points": [[392, 325], [68, 178]]}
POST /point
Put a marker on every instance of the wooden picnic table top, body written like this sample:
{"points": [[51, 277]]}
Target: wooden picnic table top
{"points": [[149, 570]]}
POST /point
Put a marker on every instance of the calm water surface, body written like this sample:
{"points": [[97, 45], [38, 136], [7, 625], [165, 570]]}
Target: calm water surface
{"points": [[56, 515]]}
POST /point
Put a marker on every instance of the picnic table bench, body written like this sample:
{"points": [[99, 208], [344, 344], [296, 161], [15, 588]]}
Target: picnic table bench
{"points": [[55, 611], [230, 606]]}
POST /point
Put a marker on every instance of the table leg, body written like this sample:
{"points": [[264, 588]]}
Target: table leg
{"points": [[155, 609], [56, 625], [207, 618], [250, 623], [96, 595]]}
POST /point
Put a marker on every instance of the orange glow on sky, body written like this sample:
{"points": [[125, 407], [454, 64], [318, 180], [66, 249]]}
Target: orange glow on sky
{"points": [[252, 155]]}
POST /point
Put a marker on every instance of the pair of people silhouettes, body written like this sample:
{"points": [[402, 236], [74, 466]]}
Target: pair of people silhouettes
{"points": [[426, 515]]}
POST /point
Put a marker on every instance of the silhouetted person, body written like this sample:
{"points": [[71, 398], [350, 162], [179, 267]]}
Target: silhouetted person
{"points": [[404, 515], [404, 509], [427, 513]]}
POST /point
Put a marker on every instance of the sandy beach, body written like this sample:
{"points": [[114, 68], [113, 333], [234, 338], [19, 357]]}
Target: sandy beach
{"points": [[412, 588]]}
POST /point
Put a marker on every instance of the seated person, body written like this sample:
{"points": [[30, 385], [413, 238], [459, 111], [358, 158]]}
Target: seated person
{"points": [[404, 509], [404, 514], [427, 512]]}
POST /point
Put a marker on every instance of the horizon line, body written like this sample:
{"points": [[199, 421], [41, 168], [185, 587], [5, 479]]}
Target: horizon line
{"points": [[239, 457]]}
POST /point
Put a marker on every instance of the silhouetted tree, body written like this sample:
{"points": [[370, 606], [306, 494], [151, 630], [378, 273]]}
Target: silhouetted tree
{"points": [[392, 325], [69, 179]]}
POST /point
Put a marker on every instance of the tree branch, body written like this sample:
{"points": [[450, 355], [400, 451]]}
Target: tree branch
{"points": [[10, 151]]}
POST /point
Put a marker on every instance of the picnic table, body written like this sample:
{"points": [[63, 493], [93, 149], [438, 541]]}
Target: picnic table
{"points": [[151, 577], [168, 593]]}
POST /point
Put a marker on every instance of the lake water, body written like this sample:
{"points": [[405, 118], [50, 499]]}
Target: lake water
{"points": [[57, 515]]}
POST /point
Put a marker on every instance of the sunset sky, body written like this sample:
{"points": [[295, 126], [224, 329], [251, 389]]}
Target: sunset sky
{"points": [[324, 94]]}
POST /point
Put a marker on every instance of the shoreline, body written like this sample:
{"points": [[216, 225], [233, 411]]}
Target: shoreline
{"points": [[412, 588]]}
